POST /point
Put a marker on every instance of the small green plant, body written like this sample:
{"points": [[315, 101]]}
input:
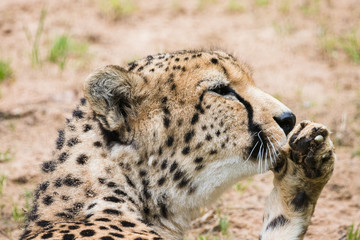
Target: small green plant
{"points": [[284, 7], [18, 214], [117, 8], [2, 184], [28, 200], [201, 237], [5, 71], [240, 187], [35, 55], [63, 47], [349, 43], [262, 3], [353, 233], [235, 6], [224, 225], [284, 28], [311, 7], [203, 3], [6, 156]]}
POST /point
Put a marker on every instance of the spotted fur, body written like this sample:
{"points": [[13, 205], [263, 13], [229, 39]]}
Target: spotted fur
{"points": [[152, 143]]}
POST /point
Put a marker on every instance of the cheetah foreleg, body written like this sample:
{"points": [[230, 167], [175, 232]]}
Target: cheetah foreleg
{"points": [[305, 165]]}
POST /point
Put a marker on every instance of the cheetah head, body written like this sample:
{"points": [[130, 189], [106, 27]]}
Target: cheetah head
{"points": [[195, 121]]}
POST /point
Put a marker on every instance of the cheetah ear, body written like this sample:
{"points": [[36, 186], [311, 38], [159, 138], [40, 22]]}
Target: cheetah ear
{"points": [[111, 94]]}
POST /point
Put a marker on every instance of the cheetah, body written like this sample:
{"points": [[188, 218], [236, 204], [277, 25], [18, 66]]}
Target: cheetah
{"points": [[152, 143]]}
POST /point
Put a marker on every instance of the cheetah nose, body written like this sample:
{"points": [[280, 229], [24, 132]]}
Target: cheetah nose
{"points": [[286, 121]]}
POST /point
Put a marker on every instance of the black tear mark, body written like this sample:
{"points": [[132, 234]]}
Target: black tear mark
{"points": [[277, 222], [300, 202]]}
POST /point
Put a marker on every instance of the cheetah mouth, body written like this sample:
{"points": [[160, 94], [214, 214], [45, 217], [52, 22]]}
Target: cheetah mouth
{"points": [[264, 150]]}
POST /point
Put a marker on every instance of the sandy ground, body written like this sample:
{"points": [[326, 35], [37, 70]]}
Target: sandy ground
{"points": [[282, 40]]}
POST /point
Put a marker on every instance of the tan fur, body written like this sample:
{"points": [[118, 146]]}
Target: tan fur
{"points": [[152, 144]]}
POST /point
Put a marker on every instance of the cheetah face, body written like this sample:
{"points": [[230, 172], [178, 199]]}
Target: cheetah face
{"points": [[196, 119]]}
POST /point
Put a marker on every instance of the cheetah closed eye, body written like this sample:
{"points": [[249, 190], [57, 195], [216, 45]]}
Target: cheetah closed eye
{"points": [[152, 143]]}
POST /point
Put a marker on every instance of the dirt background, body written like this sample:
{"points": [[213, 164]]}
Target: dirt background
{"points": [[296, 49]]}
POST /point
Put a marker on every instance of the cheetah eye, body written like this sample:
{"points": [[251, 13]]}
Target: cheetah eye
{"points": [[223, 90]]}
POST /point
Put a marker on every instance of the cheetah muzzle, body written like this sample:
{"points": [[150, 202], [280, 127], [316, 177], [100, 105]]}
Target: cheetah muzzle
{"points": [[155, 141]]}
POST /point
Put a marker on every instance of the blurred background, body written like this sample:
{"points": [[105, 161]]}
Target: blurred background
{"points": [[306, 53]]}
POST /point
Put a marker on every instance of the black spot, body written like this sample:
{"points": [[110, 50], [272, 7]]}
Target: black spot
{"points": [[164, 164], [43, 186], [83, 101], [188, 136], [117, 235], [173, 87], [160, 151], [101, 180], [113, 199], [48, 200], [71, 181], [73, 227], [64, 231], [164, 100], [170, 141], [198, 159], [91, 206], [129, 182], [199, 167], [107, 238], [115, 228], [173, 166], [178, 174], [63, 157], [183, 182], [111, 185], [103, 228], [186, 150], [97, 144], [87, 127], [49, 166], [60, 140], [58, 182], [277, 222], [166, 110], [78, 114], [43, 223], [163, 209], [212, 152], [47, 235], [214, 61], [300, 201], [72, 142], [119, 192], [142, 173], [89, 216], [102, 220], [82, 159], [183, 69], [87, 233], [177, 59], [166, 122], [208, 137], [112, 211], [64, 215], [217, 133], [68, 237], [161, 181], [195, 118], [127, 224]]}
